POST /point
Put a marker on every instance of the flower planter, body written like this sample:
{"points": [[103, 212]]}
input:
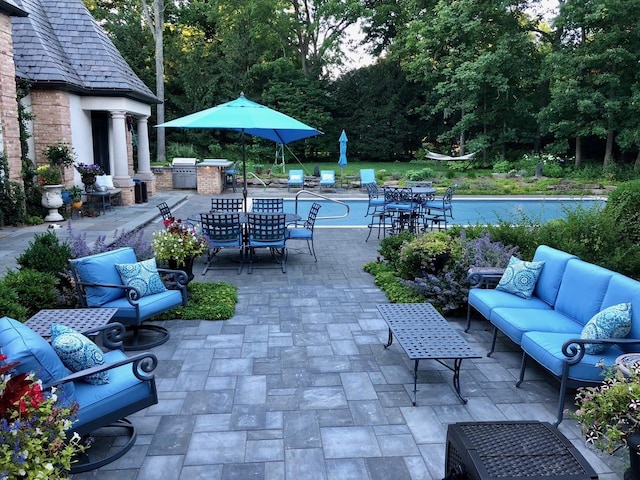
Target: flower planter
{"points": [[52, 200], [186, 267]]}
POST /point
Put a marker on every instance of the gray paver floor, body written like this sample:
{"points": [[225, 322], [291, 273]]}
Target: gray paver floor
{"points": [[297, 385]]}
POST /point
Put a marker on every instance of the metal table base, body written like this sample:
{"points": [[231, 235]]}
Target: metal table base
{"points": [[425, 334]]}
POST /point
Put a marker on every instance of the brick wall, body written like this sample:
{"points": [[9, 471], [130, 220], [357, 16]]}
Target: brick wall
{"points": [[8, 102], [209, 180], [163, 178]]}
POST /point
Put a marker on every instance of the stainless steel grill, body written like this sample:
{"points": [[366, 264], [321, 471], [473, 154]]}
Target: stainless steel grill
{"points": [[184, 172]]}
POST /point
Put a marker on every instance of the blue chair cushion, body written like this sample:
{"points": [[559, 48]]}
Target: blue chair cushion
{"points": [[77, 352], [101, 268], [551, 276], [149, 306], [376, 201], [513, 322], [142, 275], [21, 344], [484, 300], [612, 322], [520, 277], [123, 390], [298, 233]]}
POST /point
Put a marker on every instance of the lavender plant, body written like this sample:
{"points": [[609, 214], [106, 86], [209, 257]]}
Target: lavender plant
{"points": [[135, 239]]}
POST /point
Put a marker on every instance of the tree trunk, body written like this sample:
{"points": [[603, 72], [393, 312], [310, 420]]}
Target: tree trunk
{"points": [[158, 11], [609, 150], [636, 165], [578, 152]]}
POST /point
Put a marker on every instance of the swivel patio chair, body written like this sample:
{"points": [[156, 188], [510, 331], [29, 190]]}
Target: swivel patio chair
{"points": [[222, 230], [305, 232], [267, 205], [376, 202], [115, 279], [327, 179], [165, 211], [439, 208], [367, 175], [296, 179], [223, 204], [268, 230]]}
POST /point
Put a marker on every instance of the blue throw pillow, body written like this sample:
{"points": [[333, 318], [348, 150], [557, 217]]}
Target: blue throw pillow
{"points": [[612, 322], [143, 276], [78, 353], [520, 277]]}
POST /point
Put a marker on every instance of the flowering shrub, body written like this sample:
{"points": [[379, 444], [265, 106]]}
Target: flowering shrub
{"points": [[59, 154], [33, 429], [178, 241], [610, 412], [89, 169]]}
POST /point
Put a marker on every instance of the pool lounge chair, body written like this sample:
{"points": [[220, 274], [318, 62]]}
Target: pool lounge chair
{"points": [[367, 175], [327, 179], [296, 179]]}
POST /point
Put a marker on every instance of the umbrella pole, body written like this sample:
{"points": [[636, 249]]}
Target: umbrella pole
{"points": [[244, 173]]}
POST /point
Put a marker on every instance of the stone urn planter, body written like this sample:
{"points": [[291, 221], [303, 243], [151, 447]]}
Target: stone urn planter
{"points": [[52, 200]]}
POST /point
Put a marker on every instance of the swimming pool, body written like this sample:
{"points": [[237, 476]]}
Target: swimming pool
{"points": [[466, 211]]}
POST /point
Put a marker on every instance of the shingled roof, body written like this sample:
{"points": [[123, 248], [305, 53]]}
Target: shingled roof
{"points": [[60, 45], [10, 7]]}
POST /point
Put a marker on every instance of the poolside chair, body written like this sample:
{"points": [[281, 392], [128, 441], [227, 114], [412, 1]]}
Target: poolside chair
{"points": [[306, 231], [367, 175], [165, 211], [400, 204], [224, 204], [296, 179], [267, 205], [376, 202], [439, 208], [268, 230], [231, 177], [222, 230], [327, 179]]}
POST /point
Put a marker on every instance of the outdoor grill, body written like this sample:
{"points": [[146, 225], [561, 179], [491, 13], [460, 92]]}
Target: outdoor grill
{"points": [[184, 172]]}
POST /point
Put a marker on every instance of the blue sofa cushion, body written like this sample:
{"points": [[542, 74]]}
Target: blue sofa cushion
{"points": [[123, 389], [149, 306], [142, 275], [514, 322], [21, 344], [551, 275], [582, 290], [485, 300], [624, 289], [101, 268], [612, 322], [77, 352], [546, 349], [520, 277]]}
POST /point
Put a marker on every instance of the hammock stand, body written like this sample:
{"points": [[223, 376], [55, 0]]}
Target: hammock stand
{"points": [[447, 158]]}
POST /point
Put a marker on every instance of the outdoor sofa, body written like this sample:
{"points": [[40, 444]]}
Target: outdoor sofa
{"points": [[569, 294]]}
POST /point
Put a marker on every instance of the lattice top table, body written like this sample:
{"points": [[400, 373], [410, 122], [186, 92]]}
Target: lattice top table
{"points": [[80, 319], [425, 334]]}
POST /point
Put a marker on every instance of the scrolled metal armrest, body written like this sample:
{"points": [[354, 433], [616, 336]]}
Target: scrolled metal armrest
{"points": [[574, 349], [112, 335], [179, 276]]}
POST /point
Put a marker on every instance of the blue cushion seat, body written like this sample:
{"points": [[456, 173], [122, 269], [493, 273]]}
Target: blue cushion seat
{"points": [[485, 300], [267, 244], [299, 233], [21, 344], [150, 305], [514, 322]]}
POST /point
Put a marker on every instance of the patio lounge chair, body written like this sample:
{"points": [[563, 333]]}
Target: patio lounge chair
{"points": [[306, 231], [115, 279], [327, 179], [296, 179], [367, 175]]}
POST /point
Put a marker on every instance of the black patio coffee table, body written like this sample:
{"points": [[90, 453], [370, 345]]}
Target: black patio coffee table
{"points": [[425, 334]]}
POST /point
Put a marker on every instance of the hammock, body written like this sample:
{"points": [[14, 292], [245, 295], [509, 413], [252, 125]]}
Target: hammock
{"points": [[447, 158]]}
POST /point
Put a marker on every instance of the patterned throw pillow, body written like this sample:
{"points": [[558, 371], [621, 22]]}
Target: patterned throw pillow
{"points": [[77, 352], [142, 275], [520, 277], [612, 322]]}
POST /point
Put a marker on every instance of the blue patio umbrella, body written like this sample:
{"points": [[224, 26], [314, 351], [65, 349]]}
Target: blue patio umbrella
{"points": [[343, 153], [245, 116]]}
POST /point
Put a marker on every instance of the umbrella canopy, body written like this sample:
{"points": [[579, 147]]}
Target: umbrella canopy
{"points": [[343, 149], [245, 116]]}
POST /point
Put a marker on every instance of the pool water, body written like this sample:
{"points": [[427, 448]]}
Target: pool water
{"points": [[465, 211]]}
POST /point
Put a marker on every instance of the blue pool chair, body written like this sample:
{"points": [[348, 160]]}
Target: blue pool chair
{"points": [[327, 179], [296, 179], [367, 175]]}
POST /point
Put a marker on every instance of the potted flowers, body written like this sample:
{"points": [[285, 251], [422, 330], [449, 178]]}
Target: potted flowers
{"points": [[50, 176], [609, 414], [88, 173], [178, 244], [33, 428]]}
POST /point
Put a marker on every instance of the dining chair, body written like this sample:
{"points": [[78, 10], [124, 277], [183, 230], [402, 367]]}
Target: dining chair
{"points": [[224, 204], [165, 211], [231, 177], [400, 204], [222, 230], [305, 232], [376, 202], [267, 230], [267, 205], [439, 208]]}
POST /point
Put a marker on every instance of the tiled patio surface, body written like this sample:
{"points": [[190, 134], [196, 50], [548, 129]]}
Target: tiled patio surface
{"points": [[298, 385]]}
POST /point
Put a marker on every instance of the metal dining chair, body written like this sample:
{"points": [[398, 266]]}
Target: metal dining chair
{"points": [[268, 205], [439, 208], [305, 232], [376, 202], [165, 211], [267, 230], [400, 204], [224, 204], [222, 230]]}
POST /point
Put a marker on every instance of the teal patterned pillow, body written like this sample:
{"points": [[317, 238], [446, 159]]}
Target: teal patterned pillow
{"points": [[612, 322], [142, 275], [77, 352], [520, 277]]}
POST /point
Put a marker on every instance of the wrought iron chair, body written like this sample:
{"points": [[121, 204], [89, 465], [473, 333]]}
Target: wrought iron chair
{"points": [[99, 283], [165, 211], [439, 208], [267, 205], [327, 179], [223, 204], [222, 230], [296, 179], [306, 231], [268, 230], [376, 202], [400, 204]]}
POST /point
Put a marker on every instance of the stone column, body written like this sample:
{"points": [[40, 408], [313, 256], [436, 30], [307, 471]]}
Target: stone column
{"points": [[144, 172], [121, 178]]}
